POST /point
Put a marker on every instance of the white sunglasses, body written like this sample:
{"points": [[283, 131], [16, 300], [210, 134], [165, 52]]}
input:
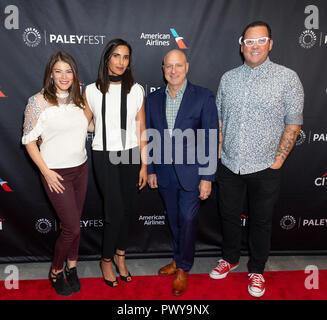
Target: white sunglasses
{"points": [[250, 42]]}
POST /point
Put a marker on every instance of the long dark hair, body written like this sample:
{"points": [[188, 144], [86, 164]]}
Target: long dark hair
{"points": [[49, 89], [102, 81]]}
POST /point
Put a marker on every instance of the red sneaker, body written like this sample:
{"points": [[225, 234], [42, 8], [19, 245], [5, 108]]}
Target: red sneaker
{"points": [[221, 270], [256, 285]]}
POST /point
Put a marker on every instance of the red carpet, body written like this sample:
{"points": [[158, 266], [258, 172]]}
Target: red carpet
{"points": [[283, 285]]}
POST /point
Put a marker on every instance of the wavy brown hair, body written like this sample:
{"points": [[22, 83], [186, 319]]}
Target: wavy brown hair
{"points": [[102, 81], [49, 89]]}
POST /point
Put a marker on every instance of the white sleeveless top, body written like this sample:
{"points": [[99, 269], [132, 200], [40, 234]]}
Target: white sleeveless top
{"points": [[113, 130], [63, 130]]}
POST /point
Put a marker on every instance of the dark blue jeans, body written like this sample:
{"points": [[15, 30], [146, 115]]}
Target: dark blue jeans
{"points": [[182, 210], [262, 190]]}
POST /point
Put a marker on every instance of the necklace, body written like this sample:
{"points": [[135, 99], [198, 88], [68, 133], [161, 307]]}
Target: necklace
{"points": [[62, 95]]}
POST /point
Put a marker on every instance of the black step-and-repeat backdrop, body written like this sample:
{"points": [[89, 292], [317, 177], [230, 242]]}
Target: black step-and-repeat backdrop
{"points": [[208, 31]]}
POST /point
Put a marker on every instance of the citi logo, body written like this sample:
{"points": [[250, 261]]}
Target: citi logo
{"points": [[4, 185], [2, 95], [321, 181], [179, 40]]}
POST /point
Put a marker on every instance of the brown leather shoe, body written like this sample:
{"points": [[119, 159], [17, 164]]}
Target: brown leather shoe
{"points": [[180, 284], [168, 270]]}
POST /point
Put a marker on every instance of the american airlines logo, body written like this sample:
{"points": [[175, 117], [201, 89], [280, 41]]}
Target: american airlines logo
{"points": [[178, 39], [4, 185], [162, 39], [2, 95]]}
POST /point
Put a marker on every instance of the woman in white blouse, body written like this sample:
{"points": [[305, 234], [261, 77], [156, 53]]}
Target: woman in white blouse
{"points": [[57, 115], [116, 103]]}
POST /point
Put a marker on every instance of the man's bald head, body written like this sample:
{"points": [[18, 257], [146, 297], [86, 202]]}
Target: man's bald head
{"points": [[177, 53], [175, 67]]}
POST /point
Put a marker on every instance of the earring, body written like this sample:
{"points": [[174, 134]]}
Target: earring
{"points": [[51, 81]]}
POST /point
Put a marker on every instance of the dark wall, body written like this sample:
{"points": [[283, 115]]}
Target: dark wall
{"points": [[30, 31]]}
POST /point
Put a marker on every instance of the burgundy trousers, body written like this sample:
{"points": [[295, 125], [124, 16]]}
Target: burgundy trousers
{"points": [[68, 206]]}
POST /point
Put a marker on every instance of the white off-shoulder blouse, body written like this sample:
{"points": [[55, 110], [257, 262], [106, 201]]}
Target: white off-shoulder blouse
{"points": [[63, 129]]}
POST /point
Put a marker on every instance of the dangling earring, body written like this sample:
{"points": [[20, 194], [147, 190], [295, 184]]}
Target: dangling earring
{"points": [[51, 81]]}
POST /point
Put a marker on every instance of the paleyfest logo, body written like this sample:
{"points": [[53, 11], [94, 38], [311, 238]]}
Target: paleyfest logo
{"points": [[301, 138], [32, 37], [288, 222], [43, 225], [313, 137], [308, 37]]}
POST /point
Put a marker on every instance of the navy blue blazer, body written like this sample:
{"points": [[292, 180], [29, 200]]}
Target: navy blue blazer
{"points": [[197, 111]]}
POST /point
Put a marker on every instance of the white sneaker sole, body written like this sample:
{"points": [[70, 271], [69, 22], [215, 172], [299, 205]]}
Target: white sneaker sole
{"points": [[256, 294], [217, 276]]}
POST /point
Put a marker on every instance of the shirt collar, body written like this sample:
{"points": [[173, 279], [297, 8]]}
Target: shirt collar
{"points": [[180, 91], [262, 67]]}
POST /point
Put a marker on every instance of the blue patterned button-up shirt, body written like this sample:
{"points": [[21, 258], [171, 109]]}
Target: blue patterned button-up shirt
{"points": [[254, 106], [172, 106]]}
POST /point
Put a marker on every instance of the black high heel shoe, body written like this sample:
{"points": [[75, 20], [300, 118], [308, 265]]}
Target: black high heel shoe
{"points": [[72, 279], [127, 278], [59, 284], [110, 283]]}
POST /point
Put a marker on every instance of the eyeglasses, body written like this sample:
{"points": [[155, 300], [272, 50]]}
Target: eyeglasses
{"points": [[250, 42]]}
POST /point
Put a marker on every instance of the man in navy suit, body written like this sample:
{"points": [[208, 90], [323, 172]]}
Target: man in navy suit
{"points": [[182, 123]]}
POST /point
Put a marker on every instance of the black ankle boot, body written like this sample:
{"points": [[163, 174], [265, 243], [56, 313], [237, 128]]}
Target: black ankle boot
{"points": [[72, 278], [60, 285]]}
